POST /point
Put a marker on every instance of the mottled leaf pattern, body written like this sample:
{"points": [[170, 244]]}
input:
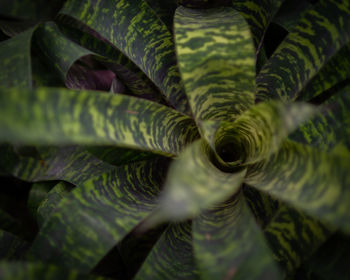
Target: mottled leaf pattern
{"points": [[15, 61], [258, 14], [294, 237], [172, 256], [57, 48], [72, 164], [144, 39], [336, 71], [290, 176], [58, 116], [229, 245], [330, 126], [165, 9], [105, 209], [320, 34], [168, 160], [53, 197], [216, 60]]}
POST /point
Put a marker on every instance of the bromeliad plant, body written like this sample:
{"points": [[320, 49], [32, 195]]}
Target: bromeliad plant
{"points": [[219, 149]]}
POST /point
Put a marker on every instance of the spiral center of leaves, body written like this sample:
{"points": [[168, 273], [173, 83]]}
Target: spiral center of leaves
{"points": [[229, 153]]}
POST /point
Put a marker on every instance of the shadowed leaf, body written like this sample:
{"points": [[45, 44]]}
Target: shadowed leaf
{"points": [[15, 65], [105, 209], [172, 256], [320, 34], [140, 35]]}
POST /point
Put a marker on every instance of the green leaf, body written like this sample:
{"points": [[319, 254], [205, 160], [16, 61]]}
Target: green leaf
{"points": [[134, 249], [228, 244], [259, 131], [311, 180], [165, 9], [330, 126], [294, 236], [60, 116], [15, 61], [258, 14], [193, 184], [172, 256], [52, 198], [108, 55], [336, 71], [37, 194], [216, 61], [34, 271], [262, 205], [291, 12], [140, 35], [119, 156], [43, 73], [59, 50], [321, 33], [72, 164], [105, 209]]}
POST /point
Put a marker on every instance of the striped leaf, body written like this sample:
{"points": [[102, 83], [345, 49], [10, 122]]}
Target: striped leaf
{"points": [[335, 72], [34, 271], [71, 164], [329, 127], [59, 50], [311, 180], [216, 61], [291, 12], [262, 205], [194, 184], [165, 9], [105, 209], [140, 35], [15, 61], [37, 194], [172, 256], [108, 55], [320, 34], [59, 116], [294, 237], [259, 132], [52, 198], [258, 14], [228, 244]]}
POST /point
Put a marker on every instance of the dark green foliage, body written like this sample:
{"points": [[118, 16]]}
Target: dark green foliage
{"points": [[164, 139]]}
